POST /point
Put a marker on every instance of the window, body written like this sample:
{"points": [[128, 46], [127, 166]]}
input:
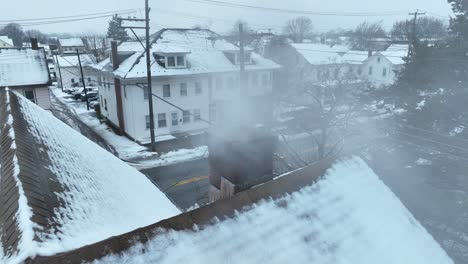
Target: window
{"points": [[89, 79], [145, 93], [378, 59], [219, 83], [105, 104], [166, 90], [186, 117], [125, 91], [162, 122], [148, 125], [73, 80], [183, 90], [175, 119], [198, 88], [254, 80], [180, 61], [370, 70], [265, 78], [171, 61], [196, 115], [384, 72], [29, 94]]}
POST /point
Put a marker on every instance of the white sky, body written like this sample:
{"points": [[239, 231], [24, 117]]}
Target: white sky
{"points": [[222, 17]]}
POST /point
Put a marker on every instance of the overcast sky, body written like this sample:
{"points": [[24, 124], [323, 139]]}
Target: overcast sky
{"points": [[186, 13]]}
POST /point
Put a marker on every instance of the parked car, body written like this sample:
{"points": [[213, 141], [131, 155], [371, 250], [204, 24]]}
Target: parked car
{"points": [[91, 96], [78, 93]]}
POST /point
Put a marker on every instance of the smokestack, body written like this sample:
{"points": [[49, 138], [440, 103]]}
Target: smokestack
{"points": [[34, 44], [369, 53], [114, 55]]}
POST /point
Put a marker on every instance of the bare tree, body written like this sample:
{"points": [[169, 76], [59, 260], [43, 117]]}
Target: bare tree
{"points": [[15, 32], [426, 27], [298, 28], [364, 33]]}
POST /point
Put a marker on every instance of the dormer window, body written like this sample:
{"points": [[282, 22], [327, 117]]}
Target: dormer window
{"points": [[175, 61], [234, 56], [171, 60]]}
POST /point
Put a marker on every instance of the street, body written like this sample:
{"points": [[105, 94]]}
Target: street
{"points": [[186, 184]]}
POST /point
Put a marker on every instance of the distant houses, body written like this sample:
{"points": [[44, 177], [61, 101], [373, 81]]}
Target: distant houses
{"points": [[193, 69], [320, 63], [25, 71], [6, 42]]}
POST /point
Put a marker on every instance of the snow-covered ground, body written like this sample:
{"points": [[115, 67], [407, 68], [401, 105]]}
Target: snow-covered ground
{"points": [[136, 155]]}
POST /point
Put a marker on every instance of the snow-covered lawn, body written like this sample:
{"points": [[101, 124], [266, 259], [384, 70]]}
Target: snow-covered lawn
{"points": [[136, 155]]}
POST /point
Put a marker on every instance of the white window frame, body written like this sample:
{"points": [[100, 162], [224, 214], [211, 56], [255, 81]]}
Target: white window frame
{"points": [[186, 117], [161, 120], [183, 88]]}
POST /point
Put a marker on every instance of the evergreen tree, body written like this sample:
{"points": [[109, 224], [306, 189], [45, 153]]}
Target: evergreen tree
{"points": [[459, 23], [115, 31]]}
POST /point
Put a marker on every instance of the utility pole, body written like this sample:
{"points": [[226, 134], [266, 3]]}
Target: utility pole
{"points": [[148, 71], [82, 79], [412, 45], [147, 48], [60, 71]]}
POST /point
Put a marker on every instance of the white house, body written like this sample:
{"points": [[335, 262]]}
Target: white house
{"points": [[70, 70], [382, 67], [25, 71], [193, 69], [6, 42], [70, 45]]}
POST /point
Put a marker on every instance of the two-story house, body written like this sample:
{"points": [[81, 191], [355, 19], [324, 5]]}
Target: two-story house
{"points": [[195, 76], [67, 46], [25, 71]]}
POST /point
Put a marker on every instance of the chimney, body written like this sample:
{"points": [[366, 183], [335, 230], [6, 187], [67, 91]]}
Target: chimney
{"points": [[114, 55], [369, 53], [34, 44]]}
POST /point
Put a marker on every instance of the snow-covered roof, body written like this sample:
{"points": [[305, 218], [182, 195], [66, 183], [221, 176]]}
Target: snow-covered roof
{"points": [[205, 54], [320, 54], [60, 191], [396, 53], [23, 67], [356, 57], [7, 40], [72, 60], [349, 216], [71, 42]]}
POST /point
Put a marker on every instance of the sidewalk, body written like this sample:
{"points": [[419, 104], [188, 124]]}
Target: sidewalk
{"points": [[129, 151]]}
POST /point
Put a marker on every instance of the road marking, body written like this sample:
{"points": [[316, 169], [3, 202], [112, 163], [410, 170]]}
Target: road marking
{"points": [[191, 180]]}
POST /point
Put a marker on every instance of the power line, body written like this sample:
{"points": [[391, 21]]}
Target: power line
{"points": [[72, 16], [292, 11]]}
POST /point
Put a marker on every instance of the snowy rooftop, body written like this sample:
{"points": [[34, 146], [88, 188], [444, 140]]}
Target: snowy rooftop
{"points": [[59, 191], [71, 42], [349, 216], [396, 53], [204, 49], [7, 40], [356, 57], [72, 60], [320, 54], [15, 62]]}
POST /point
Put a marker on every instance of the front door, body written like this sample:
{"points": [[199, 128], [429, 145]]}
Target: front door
{"points": [[174, 121]]}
